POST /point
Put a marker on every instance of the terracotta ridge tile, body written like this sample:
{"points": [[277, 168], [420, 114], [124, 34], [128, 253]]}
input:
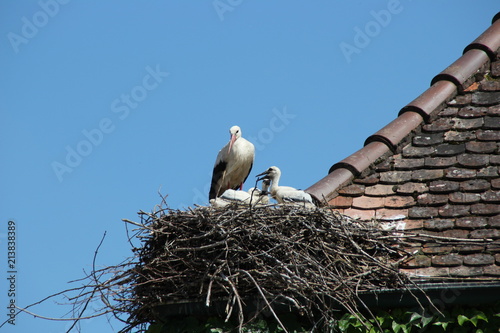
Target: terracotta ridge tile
{"points": [[488, 41]]}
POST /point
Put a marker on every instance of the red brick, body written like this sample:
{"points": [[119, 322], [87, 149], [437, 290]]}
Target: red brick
{"points": [[424, 175], [395, 177], [479, 259], [466, 271], [423, 212], [368, 180], [468, 123], [352, 190], [438, 224], [494, 221], [491, 196], [464, 198], [380, 190], [485, 234], [448, 149], [454, 136], [428, 139], [411, 188], [399, 201], [488, 135], [485, 209], [385, 214], [413, 224], [470, 111], [443, 186], [365, 202], [439, 125], [428, 199], [475, 185], [486, 98], [417, 261], [341, 202], [492, 270], [471, 222], [483, 147], [440, 162], [408, 163], [411, 151], [473, 160], [448, 260], [454, 210], [365, 215], [460, 173]]}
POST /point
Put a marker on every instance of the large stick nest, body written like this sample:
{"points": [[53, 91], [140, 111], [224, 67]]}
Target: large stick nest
{"points": [[311, 260]]}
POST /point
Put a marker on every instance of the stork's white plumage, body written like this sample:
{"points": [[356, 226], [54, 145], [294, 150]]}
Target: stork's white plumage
{"points": [[233, 164], [253, 196], [286, 194]]}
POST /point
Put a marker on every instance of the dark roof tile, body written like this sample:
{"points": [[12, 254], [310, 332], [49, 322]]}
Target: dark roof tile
{"points": [[380, 190], [485, 234], [492, 270], [447, 149], [473, 160], [353, 190], [468, 123], [428, 139], [490, 85], [368, 180], [485, 209], [455, 136], [460, 173], [440, 162], [470, 111], [411, 151], [492, 122], [439, 125], [423, 212], [468, 249], [395, 177], [408, 163], [450, 210], [495, 69], [481, 147], [495, 159], [475, 185], [461, 100], [434, 248], [456, 233], [448, 260], [438, 224], [488, 135], [449, 111], [464, 198], [497, 258], [443, 186], [494, 221], [426, 175], [465, 271], [488, 172], [486, 98], [427, 199], [479, 259], [417, 262], [411, 188], [471, 222], [491, 196], [399, 201]]}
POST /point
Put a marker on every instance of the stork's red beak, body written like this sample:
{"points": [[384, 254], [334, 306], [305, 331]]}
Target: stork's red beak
{"points": [[231, 142]]}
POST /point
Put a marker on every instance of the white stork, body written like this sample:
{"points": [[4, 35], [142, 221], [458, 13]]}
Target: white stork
{"points": [[286, 194], [253, 196], [233, 164]]}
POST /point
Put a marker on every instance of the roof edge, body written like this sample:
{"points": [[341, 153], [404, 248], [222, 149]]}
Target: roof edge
{"points": [[488, 41]]}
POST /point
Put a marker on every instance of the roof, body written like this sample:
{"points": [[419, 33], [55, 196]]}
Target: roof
{"points": [[435, 169]]}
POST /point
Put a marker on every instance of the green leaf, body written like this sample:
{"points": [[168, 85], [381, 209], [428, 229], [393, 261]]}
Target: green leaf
{"points": [[415, 316], [461, 319], [396, 327]]}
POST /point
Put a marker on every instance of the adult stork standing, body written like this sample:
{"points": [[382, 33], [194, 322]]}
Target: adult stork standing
{"points": [[286, 194], [233, 164]]}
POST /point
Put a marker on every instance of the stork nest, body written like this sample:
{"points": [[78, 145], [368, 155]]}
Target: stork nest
{"points": [[309, 260]]}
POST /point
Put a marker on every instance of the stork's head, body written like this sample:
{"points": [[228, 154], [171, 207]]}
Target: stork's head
{"points": [[235, 133], [271, 173]]}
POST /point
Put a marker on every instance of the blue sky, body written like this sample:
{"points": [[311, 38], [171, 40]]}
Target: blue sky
{"points": [[104, 104]]}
